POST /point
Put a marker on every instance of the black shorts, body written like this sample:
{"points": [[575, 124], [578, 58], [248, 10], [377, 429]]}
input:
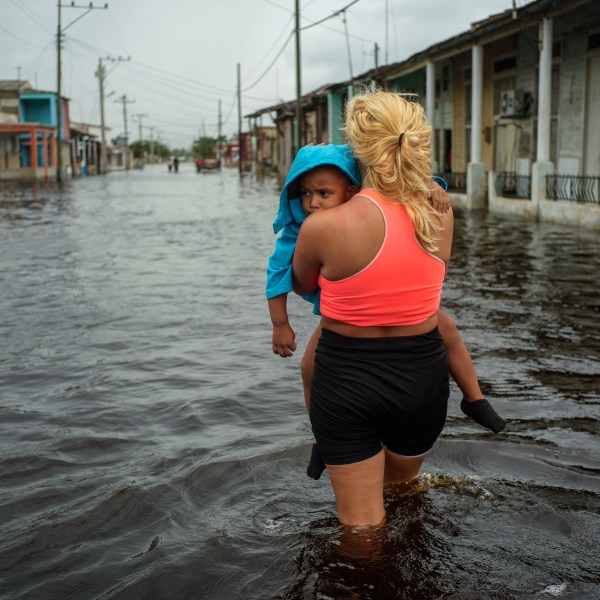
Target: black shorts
{"points": [[372, 391]]}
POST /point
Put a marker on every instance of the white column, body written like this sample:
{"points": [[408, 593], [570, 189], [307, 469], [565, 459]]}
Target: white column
{"points": [[430, 104], [542, 165], [477, 104], [544, 93], [475, 169]]}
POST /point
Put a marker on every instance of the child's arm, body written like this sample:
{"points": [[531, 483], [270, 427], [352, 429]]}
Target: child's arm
{"points": [[279, 267], [438, 198], [284, 337]]}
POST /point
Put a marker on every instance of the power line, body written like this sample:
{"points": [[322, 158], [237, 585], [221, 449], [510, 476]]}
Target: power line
{"points": [[335, 14], [270, 48], [272, 62], [313, 23], [164, 74], [23, 8], [18, 38]]}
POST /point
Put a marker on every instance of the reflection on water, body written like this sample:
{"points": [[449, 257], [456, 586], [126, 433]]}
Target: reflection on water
{"points": [[153, 446]]}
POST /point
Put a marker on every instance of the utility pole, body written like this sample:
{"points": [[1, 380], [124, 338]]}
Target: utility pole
{"points": [[345, 21], [18, 73], [139, 117], [125, 102], [239, 84], [376, 56], [101, 75], [387, 26], [219, 135], [59, 108], [151, 144], [298, 136], [58, 99]]}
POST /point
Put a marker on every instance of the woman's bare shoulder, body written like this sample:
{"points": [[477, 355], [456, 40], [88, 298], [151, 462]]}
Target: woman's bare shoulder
{"points": [[339, 220]]}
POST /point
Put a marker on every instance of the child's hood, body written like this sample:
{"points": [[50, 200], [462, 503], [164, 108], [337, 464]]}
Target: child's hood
{"points": [[308, 158]]}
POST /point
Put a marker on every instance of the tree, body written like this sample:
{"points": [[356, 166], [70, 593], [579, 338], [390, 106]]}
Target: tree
{"points": [[144, 149], [207, 147]]}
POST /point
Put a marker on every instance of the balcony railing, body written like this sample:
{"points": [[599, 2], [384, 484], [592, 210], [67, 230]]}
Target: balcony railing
{"points": [[574, 188], [457, 182], [511, 185]]}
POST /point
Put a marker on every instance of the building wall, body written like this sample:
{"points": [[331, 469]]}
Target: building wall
{"points": [[323, 123], [38, 109], [9, 151], [410, 82], [41, 108], [570, 37], [459, 130], [310, 122], [503, 48], [527, 84], [9, 107], [572, 31], [287, 145]]}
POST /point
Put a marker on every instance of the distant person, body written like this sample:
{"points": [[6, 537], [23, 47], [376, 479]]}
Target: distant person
{"points": [[170, 164], [198, 162], [176, 164], [323, 177]]}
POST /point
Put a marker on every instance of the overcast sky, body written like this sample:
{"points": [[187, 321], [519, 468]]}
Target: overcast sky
{"points": [[183, 53]]}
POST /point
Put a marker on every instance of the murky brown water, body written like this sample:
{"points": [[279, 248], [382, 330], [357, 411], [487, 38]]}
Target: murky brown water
{"points": [[153, 447]]}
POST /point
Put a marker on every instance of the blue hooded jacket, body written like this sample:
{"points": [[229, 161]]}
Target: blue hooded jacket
{"points": [[291, 214]]}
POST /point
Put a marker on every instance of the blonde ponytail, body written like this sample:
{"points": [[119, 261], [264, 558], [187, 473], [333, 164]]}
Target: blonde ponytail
{"points": [[390, 137]]}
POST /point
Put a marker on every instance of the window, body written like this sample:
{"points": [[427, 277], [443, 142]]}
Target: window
{"points": [[594, 41], [502, 85], [505, 64], [505, 80]]}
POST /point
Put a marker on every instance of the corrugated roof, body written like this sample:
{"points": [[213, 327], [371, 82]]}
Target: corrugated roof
{"points": [[13, 85]]}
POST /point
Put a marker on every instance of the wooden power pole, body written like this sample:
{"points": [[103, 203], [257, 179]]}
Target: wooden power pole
{"points": [[59, 106]]}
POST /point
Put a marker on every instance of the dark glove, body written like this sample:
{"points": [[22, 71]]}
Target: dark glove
{"points": [[482, 412]]}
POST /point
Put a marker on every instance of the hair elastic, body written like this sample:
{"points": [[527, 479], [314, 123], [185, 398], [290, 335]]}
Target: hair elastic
{"points": [[400, 138]]}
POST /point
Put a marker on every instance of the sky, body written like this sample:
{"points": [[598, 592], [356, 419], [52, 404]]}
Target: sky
{"points": [[179, 57]]}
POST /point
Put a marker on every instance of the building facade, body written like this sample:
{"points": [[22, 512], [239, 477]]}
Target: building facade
{"points": [[515, 107], [28, 132]]}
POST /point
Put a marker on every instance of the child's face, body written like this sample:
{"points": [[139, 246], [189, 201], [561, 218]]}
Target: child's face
{"points": [[325, 187]]}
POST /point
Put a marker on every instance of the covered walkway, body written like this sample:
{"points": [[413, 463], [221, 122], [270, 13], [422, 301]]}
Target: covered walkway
{"points": [[34, 164]]}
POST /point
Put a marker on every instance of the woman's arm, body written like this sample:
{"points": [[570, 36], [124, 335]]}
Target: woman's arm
{"points": [[307, 257]]}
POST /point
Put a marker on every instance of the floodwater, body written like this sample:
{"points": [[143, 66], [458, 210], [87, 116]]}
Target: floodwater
{"points": [[153, 447]]}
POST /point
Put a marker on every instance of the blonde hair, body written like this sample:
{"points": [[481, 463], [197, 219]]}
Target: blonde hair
{"points": [[390, 137]]}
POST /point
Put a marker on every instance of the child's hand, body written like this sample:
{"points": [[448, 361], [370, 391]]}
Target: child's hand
{"points": [[284, 340], [439, 199]]}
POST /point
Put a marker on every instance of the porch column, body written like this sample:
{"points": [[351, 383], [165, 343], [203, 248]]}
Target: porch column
{"points": [[542, 166], [475, 169], [45, 153], [53, 149], [33, 148], [544, 92], [430, 107]]}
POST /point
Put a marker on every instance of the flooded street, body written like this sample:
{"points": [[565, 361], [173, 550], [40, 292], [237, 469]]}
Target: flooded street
{"points": [[153, 446]]}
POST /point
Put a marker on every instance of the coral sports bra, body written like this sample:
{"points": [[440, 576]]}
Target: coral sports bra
{"points": [[402, 285]]}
